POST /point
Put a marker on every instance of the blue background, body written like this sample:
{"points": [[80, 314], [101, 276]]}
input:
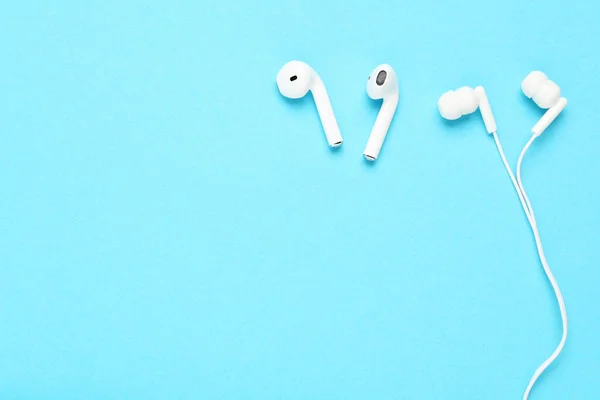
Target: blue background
{"points": [[171, 227]]}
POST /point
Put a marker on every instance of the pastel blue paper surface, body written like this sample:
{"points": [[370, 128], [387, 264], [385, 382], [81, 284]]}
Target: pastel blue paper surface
{"points": [[171, 227]]}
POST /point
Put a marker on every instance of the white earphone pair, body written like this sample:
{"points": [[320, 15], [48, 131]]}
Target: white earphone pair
{"points": [[546, 94], [296, 79]]}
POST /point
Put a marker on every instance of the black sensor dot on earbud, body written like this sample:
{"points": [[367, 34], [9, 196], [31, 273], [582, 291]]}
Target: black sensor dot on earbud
{"points": [[293, 78]]}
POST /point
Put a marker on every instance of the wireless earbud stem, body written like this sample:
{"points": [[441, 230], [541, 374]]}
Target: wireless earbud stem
{"points": [[382, 124], [330, 126], [549, 116], [486, 110]]}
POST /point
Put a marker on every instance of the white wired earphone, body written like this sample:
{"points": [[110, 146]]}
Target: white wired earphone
{"points": [[546, 94]]}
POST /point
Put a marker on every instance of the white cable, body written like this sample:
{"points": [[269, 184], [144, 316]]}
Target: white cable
{"points": [[512, 178], [551, 278], [518, 184]]}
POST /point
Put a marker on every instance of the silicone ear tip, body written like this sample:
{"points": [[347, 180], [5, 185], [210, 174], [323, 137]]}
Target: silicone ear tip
{"points": [[448, 106], [467, 100], [533, 83], [547, 95]]}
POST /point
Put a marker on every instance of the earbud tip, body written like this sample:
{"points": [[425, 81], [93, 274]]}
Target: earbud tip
{"points": [[547, 95], [533, 82], [448, 106]]}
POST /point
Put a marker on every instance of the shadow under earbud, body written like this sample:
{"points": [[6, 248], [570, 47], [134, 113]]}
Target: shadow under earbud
{"points": [[339, 150], [530, 104], [374, 105], [370, 164], [457, 126], [302, 102]]}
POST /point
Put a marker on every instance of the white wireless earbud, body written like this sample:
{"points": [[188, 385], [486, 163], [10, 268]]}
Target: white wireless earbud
{"points": [[382, 84], [456, 103], [295, 80], [546, 94]]}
